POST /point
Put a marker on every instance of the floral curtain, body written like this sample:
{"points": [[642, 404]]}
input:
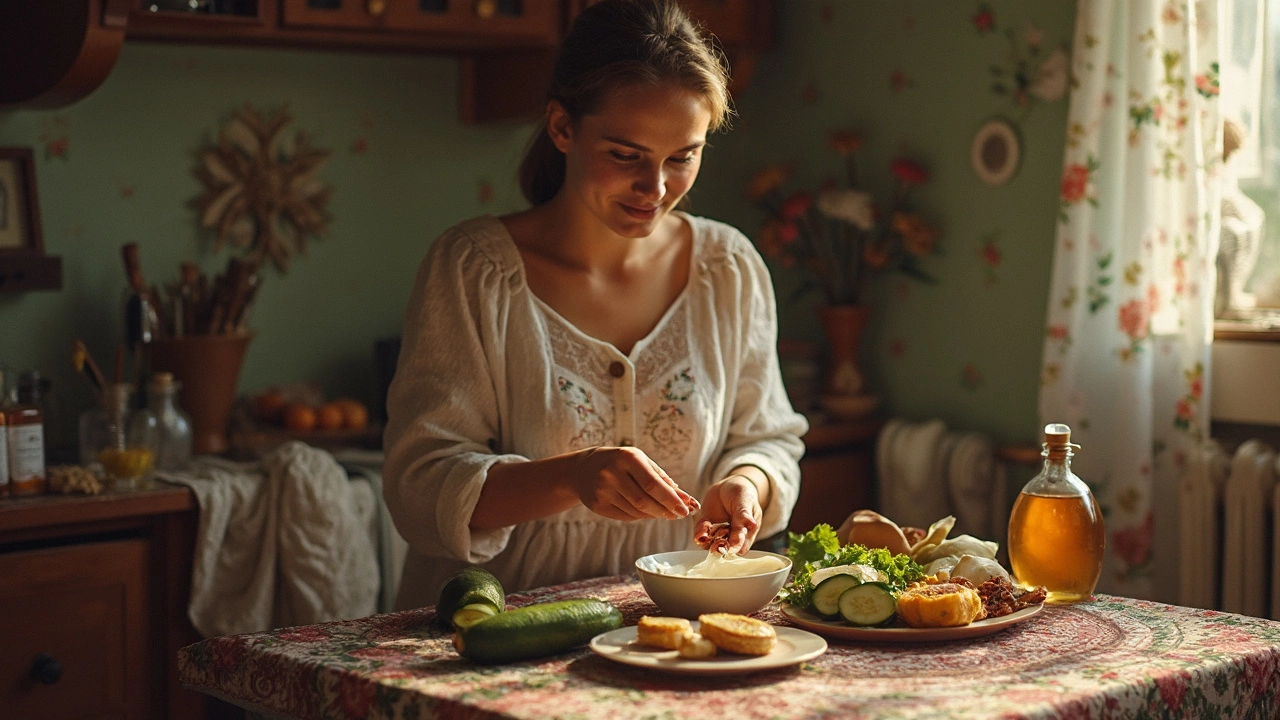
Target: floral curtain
{"points": [[1130, 316]]}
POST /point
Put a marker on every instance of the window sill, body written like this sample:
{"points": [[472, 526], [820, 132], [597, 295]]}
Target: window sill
{"points": [[1264, 328]]}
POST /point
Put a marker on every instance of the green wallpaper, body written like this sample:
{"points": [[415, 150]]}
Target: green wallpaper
{"points": [[915, 78], [117, 167]]}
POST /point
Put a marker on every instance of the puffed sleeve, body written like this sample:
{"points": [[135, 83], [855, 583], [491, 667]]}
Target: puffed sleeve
{"points": [[764, 430], [443, 404]]}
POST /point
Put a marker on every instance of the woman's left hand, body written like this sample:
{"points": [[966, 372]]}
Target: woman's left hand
{"points": [[736, 501]]}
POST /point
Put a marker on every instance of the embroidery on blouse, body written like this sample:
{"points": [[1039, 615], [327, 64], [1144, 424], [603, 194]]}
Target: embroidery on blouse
{"points": [[668, 424], [593, 430], [569, 352], [669, 346]]}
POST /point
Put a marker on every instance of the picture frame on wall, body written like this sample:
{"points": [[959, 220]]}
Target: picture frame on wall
{"points": [[19, 208]]}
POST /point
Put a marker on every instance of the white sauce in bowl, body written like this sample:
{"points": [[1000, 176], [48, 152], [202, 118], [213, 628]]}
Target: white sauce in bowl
{"points": [[722, 566]]}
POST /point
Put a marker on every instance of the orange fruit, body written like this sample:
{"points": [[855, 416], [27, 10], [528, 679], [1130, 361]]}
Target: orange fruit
{"points": [[354, 416], [329, 417], [300, 417], [269, 406]]}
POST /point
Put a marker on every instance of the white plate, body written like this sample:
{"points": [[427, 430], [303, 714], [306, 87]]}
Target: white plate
{"points": [[794, 646], [845, 631]]}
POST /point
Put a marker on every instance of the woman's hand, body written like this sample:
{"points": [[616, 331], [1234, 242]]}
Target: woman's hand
{"points": [[623, 483], [734, 500]]}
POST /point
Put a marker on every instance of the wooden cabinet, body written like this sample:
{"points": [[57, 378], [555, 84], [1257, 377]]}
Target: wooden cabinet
{"points": [[373, 25], [93, 605], [66, 48], [837, 473]]}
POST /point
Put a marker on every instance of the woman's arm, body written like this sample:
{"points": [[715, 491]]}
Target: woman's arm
{"points": [[617, 482]]}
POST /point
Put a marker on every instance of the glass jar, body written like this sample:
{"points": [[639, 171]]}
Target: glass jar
{"points": [[1056, 533], [174, 444], [119, 440]]}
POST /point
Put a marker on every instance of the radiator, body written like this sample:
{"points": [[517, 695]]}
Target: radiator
{"points": [[1229, 537]]}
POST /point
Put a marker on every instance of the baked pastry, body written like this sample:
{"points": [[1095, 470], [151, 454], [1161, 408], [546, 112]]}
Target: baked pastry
{"points": [[945, 604], [738, 633], [696, 647], [667, 633]]}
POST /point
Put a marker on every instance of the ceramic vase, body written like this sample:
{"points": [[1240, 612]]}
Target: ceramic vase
{"points": [[844, 388]]}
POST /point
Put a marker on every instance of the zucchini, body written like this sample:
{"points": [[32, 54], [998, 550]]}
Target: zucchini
{"points": [[535, 630], [826, 596], [469, 586], [868, 604]]}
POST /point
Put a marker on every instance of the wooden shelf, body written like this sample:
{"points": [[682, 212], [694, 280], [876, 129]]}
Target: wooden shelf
{"points": [[22, 272], [20, 513]]}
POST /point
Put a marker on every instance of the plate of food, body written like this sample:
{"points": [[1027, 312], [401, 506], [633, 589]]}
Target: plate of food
{"points": [[877, 582], [719, 644], [902, 633]]}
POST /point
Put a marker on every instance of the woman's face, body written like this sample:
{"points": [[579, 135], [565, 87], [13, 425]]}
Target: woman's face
{"points": [[630, 163]]}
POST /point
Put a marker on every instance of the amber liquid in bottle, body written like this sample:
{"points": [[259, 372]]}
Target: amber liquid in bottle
{"points": [[1056, 533]]}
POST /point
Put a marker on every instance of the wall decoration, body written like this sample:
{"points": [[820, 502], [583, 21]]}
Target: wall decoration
{"points": [[19, 212], [262, 188], [996, 152], [55, 137], [970, 377], [1031, 72], [899, 81], [991, 256]]}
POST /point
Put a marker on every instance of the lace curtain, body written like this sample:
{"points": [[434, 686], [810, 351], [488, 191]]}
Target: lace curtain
{"points": [[1130, 316]]}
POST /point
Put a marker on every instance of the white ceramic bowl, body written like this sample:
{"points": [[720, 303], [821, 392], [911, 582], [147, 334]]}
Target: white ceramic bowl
{"points": [[689, 597]]}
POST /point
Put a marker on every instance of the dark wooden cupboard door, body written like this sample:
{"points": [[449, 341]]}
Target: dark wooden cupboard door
{"points": [[535, 19]]}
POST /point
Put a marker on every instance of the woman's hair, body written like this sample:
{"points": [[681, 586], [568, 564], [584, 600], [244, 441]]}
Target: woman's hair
{"points": [[613, 44]]}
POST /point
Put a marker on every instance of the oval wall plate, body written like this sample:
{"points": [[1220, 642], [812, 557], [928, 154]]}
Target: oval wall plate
{"points": [[996, 152]]}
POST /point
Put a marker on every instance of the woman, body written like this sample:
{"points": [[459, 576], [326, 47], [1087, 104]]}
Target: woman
{"points": [[594, 379]]}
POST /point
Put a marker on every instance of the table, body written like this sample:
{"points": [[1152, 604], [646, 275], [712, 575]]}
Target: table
{"points": [[1114, 657]]}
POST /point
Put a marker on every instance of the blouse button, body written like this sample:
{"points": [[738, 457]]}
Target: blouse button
{"points": [[617, 369]]}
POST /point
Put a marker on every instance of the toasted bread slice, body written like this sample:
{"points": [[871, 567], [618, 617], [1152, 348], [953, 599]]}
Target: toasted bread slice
{"points": [[696, 647], [738, 633], [663, 632]]}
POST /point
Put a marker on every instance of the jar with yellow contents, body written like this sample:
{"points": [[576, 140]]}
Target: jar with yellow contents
{"points": [[119, 439]]}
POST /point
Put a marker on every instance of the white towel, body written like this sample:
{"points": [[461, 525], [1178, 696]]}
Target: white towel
{"points": [[926, 472], [284, 541]]}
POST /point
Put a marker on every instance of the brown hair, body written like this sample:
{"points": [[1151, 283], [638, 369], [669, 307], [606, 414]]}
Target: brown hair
{"points": [[613, 44]]}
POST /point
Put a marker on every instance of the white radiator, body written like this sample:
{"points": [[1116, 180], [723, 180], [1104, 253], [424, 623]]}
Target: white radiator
{"points": [[1230, 540]]}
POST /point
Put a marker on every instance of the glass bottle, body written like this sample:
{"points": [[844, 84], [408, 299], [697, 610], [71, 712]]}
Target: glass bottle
{"points": [[1056, 533], [118, 439], [174, 444], [26, 437]]}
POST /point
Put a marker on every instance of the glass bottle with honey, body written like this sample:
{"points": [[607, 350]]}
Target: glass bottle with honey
{"points": [[1056, 532]]}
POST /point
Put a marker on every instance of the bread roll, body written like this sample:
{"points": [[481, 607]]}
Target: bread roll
{"points": [[870, 528], [667, 633], [738, 633]]}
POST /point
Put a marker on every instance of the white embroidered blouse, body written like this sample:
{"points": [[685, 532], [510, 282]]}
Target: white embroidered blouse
{"points": [[488, 373]]}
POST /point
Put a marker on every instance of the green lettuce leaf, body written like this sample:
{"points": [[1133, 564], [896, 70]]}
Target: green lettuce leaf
{"points": [[820, 548]]}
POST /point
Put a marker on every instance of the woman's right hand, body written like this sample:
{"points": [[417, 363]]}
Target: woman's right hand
{"points": [[623, 483]]}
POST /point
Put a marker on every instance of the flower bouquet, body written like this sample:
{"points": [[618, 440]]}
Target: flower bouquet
{"points": [[841, 234]]}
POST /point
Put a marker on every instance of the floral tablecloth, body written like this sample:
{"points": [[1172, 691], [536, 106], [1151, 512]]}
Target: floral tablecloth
{"points": [[1110, 658]]}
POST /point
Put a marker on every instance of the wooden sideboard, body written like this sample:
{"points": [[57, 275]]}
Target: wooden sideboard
{"points": [[837, 473], [93, 605]]}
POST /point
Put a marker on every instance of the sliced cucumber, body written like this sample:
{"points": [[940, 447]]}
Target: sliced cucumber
{"points": [[826, 596], [469, 615], [868, 604], [535, 630]]}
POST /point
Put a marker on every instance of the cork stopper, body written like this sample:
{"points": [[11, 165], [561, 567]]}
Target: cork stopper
{"points": [[162, 379], [1057, 441]]}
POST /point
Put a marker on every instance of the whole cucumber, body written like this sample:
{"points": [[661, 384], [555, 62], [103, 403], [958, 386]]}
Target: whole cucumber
{"points": [[536, 630]]}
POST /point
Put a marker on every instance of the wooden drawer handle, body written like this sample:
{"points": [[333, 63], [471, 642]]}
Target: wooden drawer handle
{"points": [[45, 669]]}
